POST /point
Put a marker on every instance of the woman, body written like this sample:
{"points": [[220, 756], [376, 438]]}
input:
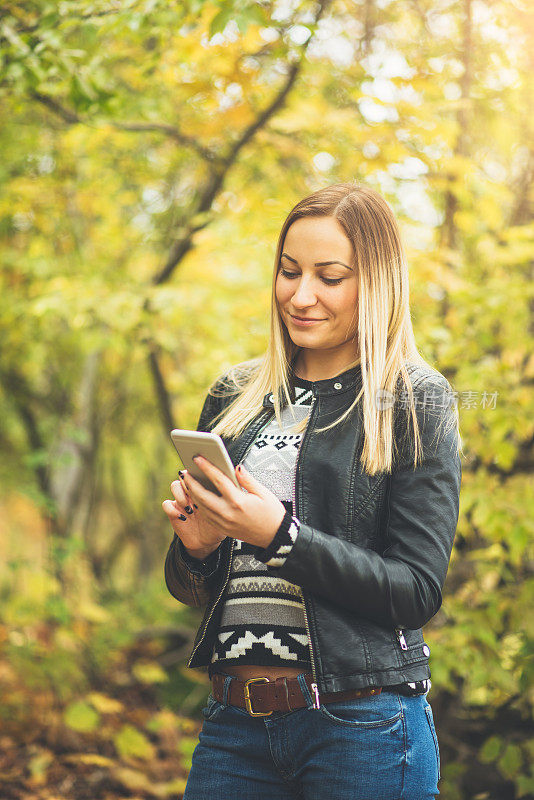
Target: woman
{"points": [[318, 578]]}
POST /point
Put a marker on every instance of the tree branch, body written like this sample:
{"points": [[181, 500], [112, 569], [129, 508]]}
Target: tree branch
{"points": [[19, 392], [72, 118], [164, 400], [216, 180], [5, 11]]}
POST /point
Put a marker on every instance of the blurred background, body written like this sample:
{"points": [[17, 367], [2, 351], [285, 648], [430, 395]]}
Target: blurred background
{"points": [[150, 152]]}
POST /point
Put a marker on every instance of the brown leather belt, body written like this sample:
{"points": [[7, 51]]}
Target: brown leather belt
{"points": [[261, 696]]}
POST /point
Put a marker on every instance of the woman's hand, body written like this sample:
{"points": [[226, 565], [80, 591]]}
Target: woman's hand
{"points": [[253, 516], [199, 537]]}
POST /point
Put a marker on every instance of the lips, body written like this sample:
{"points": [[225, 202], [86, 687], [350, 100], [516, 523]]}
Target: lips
{"points": [[306, 319]]}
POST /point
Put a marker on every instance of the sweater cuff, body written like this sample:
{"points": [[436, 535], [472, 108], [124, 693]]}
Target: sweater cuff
{"points": [[275, 554]]}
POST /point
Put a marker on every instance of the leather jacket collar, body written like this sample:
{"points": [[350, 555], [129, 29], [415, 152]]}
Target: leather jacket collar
{"points": [[346, 381]]}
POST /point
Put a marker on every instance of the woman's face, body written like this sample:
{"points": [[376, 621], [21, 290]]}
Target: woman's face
{"points": [[307, 288]]}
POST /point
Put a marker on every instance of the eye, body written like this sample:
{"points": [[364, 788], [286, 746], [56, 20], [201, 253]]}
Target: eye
{"points": [[287, 274], [332, 281], [328, 281]]}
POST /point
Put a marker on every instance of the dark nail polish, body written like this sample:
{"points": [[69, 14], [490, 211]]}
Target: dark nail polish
{"points": [[181, 473], [189, 509], [195, 505], [239, 467], [182, 516]]}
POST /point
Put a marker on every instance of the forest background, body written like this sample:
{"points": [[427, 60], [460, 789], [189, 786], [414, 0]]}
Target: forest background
{"points": [[150, 153]]}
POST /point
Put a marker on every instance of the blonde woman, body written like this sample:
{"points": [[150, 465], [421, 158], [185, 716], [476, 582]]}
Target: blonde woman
{"points": [[318, 579]]}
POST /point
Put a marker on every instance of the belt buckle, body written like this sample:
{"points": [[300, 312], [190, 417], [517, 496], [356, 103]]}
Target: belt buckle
{"points": [[247, 697]]}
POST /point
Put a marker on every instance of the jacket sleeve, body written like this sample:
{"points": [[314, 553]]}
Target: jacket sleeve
{"points": [[190, 579], [402, 585], [187, 581]]}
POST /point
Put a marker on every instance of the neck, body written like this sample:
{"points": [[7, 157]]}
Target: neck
{"points": [[307, 366]]}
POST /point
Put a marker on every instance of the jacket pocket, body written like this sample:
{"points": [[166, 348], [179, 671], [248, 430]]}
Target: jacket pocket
{"points": [[411, 645], [365, 511], [369, 490]]}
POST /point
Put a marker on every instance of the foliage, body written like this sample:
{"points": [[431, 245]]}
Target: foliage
{"points": [[151, 152], [80, 695]]}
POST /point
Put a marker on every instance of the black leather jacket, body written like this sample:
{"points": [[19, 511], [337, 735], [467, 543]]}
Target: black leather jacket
{"points": [[372, 553]]}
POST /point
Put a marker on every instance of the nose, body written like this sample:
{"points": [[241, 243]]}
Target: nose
{"points": [[304, 295]]}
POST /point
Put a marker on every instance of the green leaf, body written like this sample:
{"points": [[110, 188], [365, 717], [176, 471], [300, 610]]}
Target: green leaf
{"points": [[132, 743], [186, 747], [510, 762], [490, 749], [221, 19], [82, 717]]}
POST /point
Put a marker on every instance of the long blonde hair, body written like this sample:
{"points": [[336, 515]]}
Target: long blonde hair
{"points": [[385, 336]]}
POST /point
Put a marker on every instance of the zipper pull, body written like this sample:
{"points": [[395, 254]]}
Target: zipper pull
{"points": [[315, 691], [400, 637]]}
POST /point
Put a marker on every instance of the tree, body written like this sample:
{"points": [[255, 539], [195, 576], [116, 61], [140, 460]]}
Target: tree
{"points": [[151, 153]]}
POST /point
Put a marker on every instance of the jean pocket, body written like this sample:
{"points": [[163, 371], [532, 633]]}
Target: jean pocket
{"points": [[212, 709], [381, 711], [430, 718]]}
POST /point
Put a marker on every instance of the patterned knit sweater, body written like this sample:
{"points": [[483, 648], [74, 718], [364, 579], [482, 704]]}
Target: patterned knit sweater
{"points": [[263, 615], [262, 620]]}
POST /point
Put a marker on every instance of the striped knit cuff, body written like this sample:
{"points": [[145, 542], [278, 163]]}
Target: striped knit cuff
{"points": [[285, 537]]}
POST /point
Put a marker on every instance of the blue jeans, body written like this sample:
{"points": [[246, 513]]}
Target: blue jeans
{"points": [[382, 747]]}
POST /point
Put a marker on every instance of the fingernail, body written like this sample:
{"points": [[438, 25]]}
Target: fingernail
{"points": [[195, 505], [182, 516], [239, 467], [189, 509]]}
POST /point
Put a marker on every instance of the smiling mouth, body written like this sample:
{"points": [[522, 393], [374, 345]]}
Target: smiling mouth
{"points": [[306, 319]]}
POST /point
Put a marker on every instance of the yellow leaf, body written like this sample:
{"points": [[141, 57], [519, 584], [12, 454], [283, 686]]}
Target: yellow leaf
{"points": [[149, 672], [93, 759], [133, 779], [104, 704], [92, 612], [137, 781], [164, 720], [39, 764]]}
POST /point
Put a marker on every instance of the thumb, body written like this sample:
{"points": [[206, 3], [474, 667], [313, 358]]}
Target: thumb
{"points": [[247, 480]]}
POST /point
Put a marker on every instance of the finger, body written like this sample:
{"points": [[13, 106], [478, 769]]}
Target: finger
{"points": [[179, 490], [173, 511], [218, 478], [181, 495], [181, 473], [203, 497]]}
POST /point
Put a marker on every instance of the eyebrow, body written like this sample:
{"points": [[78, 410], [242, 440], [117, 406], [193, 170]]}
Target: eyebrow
{"points": [[319, 263]]}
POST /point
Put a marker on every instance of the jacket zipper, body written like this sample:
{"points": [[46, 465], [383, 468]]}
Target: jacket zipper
{"points": [[215, 603], [314, 686], [253, 435], [400, 637]]}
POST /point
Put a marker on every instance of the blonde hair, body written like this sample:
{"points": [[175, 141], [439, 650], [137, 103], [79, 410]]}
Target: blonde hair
{"points": [[385, 340]]}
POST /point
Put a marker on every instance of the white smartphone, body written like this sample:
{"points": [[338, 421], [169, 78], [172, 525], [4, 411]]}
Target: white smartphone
{"points": [[209, 445]]}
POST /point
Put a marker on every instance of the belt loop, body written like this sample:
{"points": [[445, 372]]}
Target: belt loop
{"points": [[305, 690], [226, 689]]}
